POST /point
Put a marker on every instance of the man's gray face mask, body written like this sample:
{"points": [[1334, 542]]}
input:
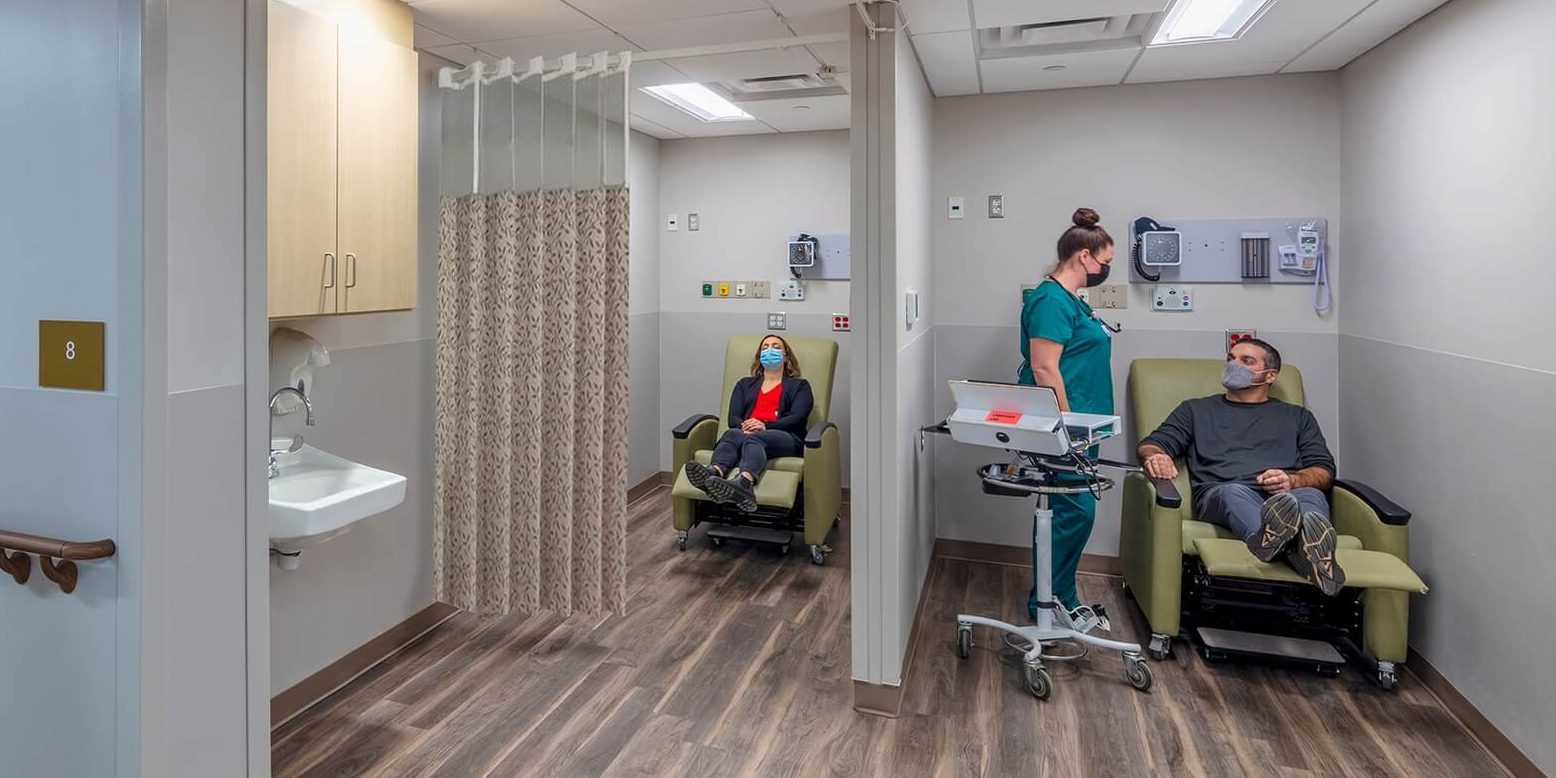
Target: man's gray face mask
{"points": [[1237, 375]]}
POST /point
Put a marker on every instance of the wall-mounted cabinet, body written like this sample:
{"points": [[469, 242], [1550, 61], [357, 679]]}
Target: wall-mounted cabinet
{"points": [[342, 118]]}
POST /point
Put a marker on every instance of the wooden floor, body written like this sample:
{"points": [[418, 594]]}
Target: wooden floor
{"points": [[736, 661]]}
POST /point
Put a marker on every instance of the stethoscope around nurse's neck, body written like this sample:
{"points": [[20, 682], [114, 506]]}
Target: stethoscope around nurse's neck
{"points": [[1113, 328]]}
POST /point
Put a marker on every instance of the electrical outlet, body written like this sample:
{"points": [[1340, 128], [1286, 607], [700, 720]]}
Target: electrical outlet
{"points": [[996, 206], [777, 321], [1172, 297], [1233, 336], [840, 322], [792, 290], [693, 224]]}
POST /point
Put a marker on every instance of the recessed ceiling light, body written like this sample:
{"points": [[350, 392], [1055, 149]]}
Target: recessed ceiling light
{"points": [[1054, 68], [802, 107], [699, 101], [1201, 21]]}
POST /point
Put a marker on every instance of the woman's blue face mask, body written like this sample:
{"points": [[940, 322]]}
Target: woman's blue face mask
{"points": [[771, 357]]}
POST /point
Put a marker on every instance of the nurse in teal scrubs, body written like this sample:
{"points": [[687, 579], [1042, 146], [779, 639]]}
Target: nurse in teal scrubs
{"points": [[1065, 346]]}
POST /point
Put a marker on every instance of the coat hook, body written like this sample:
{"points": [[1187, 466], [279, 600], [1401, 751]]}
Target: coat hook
{"points": [[65, 573], [17, 565]]}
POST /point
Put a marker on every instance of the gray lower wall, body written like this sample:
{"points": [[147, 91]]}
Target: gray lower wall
{"points": [[964, 512], [376, 407], [646, 434], [1465, 444], [691, 367], [208, 677], [915, 466]]}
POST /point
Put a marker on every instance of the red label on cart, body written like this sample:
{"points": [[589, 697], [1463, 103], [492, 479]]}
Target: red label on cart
{"points": [[1003, 417]]}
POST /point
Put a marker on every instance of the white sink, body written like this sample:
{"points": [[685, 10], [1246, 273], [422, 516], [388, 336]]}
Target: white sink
{"points": [[318, 496]]}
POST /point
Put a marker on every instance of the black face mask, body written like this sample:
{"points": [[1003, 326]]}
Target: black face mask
{"points": [[1093, 279]]}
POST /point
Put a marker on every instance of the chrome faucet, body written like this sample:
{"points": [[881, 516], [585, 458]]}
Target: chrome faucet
{"points": [[297, 440]]}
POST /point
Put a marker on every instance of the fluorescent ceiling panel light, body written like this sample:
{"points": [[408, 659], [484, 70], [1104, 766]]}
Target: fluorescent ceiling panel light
{"points": [[699, 101], [1200, 21]]}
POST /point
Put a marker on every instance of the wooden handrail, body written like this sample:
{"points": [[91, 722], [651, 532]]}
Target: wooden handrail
{"points": [[15, 546]]}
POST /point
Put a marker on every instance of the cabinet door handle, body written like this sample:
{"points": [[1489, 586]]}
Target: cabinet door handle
{"points": [[351, 270], [330, 258]]}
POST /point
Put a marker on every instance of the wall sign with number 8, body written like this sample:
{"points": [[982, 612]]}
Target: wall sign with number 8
{"points": [[72, 355]]}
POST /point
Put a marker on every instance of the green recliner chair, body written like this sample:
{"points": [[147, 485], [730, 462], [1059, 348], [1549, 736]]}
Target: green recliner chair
{"points": [[796, 494], [1162, 548]]}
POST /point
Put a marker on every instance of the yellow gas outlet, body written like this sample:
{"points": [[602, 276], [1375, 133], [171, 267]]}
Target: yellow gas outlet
{"points": [[723, 290]]}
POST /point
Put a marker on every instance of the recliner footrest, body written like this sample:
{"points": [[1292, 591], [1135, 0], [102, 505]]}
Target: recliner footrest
{"points": [[1223, 557], [751, 534], [775, 489]]}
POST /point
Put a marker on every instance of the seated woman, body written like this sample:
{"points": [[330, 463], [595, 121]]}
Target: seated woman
{"points": [[767, 413]]}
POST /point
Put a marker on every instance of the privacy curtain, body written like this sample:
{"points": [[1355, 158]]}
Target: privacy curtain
{"points": [[531, 431]]}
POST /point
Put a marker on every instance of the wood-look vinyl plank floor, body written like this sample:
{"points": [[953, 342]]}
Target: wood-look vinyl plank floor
{"points": [[736, 661]]}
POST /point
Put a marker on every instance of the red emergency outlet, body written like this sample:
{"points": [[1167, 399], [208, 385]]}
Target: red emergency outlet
{"points": [[840, 322]]}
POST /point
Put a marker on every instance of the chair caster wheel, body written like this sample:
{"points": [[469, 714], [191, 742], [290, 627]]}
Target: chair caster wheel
{"points": [[717, 542], [818, 555], [1387, 680], [680, 541], [1138, 672], [783, 550], [1038, 682], [964, 640], [1160, 647], [837, 521]]}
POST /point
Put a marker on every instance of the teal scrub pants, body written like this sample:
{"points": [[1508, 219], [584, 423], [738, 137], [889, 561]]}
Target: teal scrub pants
{"points": [[1073, 516]]}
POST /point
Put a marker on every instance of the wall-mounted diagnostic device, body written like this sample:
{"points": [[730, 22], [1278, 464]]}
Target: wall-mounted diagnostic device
{"points": [[818, 257], [1155, 246]]}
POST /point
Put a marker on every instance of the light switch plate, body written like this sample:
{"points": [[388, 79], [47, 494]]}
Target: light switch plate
{"points": [[954, 208], [673, 223]]}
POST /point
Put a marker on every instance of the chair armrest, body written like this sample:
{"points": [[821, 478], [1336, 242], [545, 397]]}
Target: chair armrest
{"points": [[813, 437], [1167, 494], [1389, 512], [685, 428]]}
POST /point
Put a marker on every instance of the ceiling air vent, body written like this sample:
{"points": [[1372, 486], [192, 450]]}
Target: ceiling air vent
{"points": [[1063, 37], [783, 87]]}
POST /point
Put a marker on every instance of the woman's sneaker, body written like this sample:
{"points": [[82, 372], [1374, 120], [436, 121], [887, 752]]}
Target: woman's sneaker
{"points": [[736, 490], [699, 475], [1083, 618], [1314, 558], [1279, 519]]}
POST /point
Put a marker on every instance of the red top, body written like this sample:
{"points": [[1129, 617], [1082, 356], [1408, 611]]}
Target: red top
{"points": [[766, 409]]}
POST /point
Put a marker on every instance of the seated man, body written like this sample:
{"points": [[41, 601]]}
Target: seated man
{"points": [[1258, 466]]}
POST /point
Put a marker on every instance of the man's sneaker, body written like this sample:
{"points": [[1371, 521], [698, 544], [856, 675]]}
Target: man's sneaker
{"points": [[1083, 618], [1314, 557], [699, 474], [1279, 519]]}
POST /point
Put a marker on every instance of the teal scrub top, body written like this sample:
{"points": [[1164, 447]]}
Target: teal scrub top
{"points": [[1050, 312]]}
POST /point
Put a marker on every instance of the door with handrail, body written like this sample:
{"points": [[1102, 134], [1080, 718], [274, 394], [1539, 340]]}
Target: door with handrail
{"points": [[70, 242]]}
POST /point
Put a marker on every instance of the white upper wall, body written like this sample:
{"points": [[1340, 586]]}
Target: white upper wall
{"points": [[643, 186], [915, 187], [751, 194], [1253, 147]]}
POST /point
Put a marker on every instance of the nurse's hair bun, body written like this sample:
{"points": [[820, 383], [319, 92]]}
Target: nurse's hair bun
{"points": [[1086, 218]]}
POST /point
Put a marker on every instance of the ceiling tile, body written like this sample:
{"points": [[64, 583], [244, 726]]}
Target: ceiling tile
{"points": [[458, 52], [623, 13], [1192, 71], [474, 21], [1396, 13], [948, 79], [820, 113], [1091, 68], [649, 128], [654, 74], [797, 7], [426, 38], [817, 23], [708, 30], [837, 55], [1344, 45], [1009, 13], [925, 16], [945, 47], [747, 64], [1287, 30], [550, 46]]}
